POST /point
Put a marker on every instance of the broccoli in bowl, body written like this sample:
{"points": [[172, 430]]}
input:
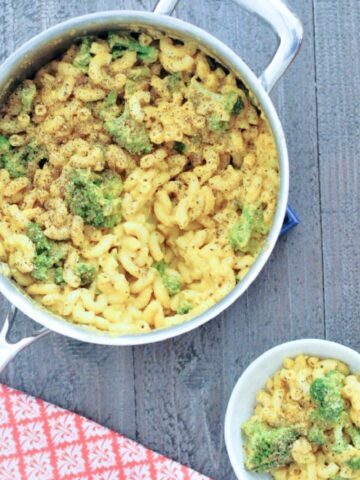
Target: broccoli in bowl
{"points": [[306, 422]]}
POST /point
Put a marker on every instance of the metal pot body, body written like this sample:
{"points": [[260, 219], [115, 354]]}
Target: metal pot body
{"points": [[52, 42]]}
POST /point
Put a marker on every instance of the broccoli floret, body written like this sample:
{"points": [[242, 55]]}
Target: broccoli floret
{"points": [[48, 254], [129, 133], [58, 276], [354, 463], [184, 308], [161, 266], [111, 98], [217, 125], [95, 197], [17, 161], [139, 73], [240, 232], [44, 262], [238, 106], [86, 272], [120, 43], [354, 434], [179, 147], [14, 163], [326, 393], [37, 236], [170, 280], [340, 444], [172, 284], [83, 56], [317, 436], [220, 104], [259, 222], [267, 448], [172, 82], [4, 145], [41, 267], [251, 221], [27, 95], [109, 109]]}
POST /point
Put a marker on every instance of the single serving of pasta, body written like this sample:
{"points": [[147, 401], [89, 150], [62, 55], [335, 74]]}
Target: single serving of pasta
{"points": [[306, 424], [138, 182]]}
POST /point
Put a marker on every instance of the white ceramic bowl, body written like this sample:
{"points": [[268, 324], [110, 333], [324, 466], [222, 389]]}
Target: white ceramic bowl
{"points": [[243, 397]]}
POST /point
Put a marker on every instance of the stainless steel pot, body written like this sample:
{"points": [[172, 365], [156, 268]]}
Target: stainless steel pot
{"points": [[45, 46]]}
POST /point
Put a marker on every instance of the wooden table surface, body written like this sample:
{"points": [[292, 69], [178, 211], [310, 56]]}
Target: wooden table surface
{"points": [[172, 396]]}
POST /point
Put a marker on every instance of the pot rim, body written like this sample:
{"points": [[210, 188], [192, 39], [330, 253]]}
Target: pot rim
{"points": [[76, 27]]}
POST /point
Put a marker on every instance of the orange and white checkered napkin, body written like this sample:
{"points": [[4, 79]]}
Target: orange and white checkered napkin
{"points": [[39, 441]]}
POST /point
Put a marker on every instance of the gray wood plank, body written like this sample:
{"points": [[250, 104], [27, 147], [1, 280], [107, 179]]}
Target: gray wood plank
{"points": [[337, 76], [184, 384]]}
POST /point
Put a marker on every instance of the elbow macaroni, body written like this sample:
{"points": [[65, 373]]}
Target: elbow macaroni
{"points": [[286, 402], [178, 202]]}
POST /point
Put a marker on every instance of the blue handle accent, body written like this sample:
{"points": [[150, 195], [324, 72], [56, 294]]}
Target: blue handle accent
{"points": [[290, 220]]}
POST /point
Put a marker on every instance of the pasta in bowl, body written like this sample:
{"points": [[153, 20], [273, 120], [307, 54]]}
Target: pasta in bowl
{"points": [[139, 180], [293, 413]]}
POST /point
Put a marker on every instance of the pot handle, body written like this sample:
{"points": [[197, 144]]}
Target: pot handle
{"points": [[9, 350], [285, 23]]}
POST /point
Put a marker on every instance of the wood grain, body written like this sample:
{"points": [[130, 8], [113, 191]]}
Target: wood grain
{"points": [[338, 93], [172, 396]]}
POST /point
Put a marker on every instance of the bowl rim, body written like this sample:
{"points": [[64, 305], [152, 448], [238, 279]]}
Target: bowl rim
{"points": [[300, 346], [231, 60]]}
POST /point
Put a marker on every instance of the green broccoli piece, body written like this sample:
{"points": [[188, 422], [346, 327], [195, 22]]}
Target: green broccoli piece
{"points": [[95, 197], [259, 222], [216, 125], [14, 163], [267, 448], [237, 107], [17, 161], [161, 267], [354, 434], [129, 133], [111, 98], [37, 236], [251, 221], [120, 43], [172, 284], [240, 233], [86, 272], [317, 436], [354, 463], [219, 103], [48, 254], [340, 444], [83, 56], [27, 95], [171, 281], [41, 267], [58, 276], [179, 147], [4, 145], [44, 262], [326, 393], [139, 73], [184, 308], [172, 82]]}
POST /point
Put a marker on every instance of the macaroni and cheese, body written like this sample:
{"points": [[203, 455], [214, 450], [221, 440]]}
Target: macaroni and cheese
{"points": [[138, 182], [306, 424]]}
